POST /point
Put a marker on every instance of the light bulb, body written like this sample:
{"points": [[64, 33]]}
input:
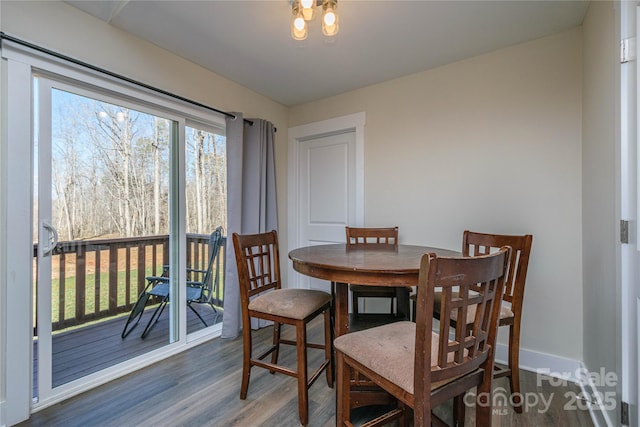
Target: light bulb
{"points": [[298, 25], [329, 18]]}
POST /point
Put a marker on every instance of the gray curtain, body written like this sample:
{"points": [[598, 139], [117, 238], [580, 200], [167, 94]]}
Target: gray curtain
{"points": [[251, 200]]}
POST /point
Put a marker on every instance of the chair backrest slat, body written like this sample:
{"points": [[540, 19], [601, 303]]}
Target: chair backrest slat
{"points": [[482, 243], [215, 243], [372, 237], [211, 278], [465, 283], [258, 261]]}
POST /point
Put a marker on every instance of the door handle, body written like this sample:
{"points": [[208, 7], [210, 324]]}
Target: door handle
{"points": [[52, 238]]}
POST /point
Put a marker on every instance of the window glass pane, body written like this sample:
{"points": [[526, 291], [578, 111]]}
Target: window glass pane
{"points": [[206, 180], [110, 169], [109, 187], [206, 209]]}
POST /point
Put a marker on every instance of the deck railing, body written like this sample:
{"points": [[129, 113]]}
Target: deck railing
{"points": [[98, 279]]}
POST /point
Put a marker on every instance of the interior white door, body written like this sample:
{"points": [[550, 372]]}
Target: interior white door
{"points": [[327, 189]]}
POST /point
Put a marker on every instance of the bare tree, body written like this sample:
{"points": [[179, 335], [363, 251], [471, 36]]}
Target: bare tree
{"points": [[112, 173], [112, 133], [220, 174], [65, 183]]}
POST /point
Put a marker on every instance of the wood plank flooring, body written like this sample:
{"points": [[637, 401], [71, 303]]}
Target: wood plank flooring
{"points": [[201, 387], [83, 350]]}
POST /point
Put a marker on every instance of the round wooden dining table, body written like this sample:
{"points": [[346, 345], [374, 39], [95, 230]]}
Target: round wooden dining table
{"points": [[363, 266]]}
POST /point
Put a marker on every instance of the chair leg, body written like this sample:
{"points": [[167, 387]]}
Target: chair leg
{"points": [[246, 359], [215, 310], [277, 329], [406, 415], [422, 414], [303, 390], [197, 314], [328, 346], [354, 303], [343, 398], [514, 365], [332, 314], [136, 313], [155, 316], [458, 410], [483, 401]]}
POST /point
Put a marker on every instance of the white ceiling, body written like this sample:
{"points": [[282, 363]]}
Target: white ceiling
{"points": [[249, 42]]}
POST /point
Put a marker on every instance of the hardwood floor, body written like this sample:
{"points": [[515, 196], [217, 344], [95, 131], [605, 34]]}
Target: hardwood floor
{"points": [[83, 350], [201, 387]]}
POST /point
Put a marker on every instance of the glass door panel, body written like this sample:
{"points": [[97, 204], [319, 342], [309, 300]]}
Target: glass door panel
{"points": [[206, 210], [103, 231]]}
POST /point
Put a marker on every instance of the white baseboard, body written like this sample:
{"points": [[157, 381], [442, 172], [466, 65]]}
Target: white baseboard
{"points": [[552, 365], [599, 416], [562, 368]]}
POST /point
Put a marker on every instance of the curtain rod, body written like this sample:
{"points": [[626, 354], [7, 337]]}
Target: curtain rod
{"points": [[4, 36]]}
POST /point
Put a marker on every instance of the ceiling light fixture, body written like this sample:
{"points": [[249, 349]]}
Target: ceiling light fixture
{"points": [[305, 10]]}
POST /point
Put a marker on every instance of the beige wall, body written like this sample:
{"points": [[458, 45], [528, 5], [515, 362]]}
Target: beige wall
{"points": [[491, 144], [599, 191]]}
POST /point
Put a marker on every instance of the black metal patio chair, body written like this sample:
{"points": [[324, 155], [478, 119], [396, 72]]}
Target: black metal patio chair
{"points": [[201, 291]]}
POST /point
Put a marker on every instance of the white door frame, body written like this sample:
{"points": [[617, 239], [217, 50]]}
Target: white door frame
{"points": [[628, 254], [353, 122], [17, 246], [628, 306]]}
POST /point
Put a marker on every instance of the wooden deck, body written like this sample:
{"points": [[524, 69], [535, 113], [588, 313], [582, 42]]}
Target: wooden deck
{"points": [[86, 349], [201, 387]]}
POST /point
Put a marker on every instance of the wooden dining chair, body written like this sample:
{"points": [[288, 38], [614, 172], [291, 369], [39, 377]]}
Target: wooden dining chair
{"points": [[421, 368], [371, 237], [474, 244], [262, 297]]}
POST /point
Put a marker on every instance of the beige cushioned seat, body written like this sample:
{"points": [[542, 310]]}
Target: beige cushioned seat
{"points": [[389, 350], [293, 303]]}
